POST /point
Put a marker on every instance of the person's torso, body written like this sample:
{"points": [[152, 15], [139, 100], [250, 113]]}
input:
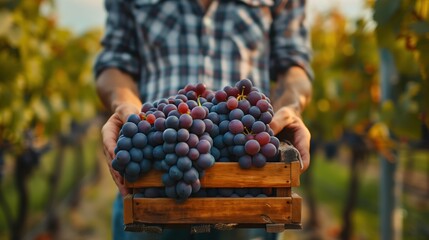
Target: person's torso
{"points": [[182, 42]]}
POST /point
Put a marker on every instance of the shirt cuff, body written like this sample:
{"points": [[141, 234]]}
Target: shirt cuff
{"points": [[120, 60]]}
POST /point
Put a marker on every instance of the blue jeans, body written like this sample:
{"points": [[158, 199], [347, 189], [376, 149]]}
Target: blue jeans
{"points": [[181, 234]]}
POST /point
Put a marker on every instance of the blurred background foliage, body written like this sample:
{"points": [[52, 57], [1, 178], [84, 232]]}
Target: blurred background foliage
{"points": [[51, 186]]}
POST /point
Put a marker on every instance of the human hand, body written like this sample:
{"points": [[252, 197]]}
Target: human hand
{"points": [[110, 134], [295, 131]]}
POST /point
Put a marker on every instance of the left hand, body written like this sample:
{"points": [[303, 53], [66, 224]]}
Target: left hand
{"points": [[298, 134]]}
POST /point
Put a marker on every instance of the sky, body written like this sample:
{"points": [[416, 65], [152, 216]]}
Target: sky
{"points": [[80, 15]]}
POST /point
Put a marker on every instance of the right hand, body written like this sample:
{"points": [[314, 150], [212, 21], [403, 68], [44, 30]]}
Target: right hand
{"points": [[110, 134]]}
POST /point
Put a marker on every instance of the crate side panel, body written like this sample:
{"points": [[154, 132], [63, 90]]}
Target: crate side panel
{"points": [[230, 175], [213, 210]]}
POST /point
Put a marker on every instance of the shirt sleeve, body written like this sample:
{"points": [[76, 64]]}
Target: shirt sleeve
{"points": [[119, 41], [290, 40]]}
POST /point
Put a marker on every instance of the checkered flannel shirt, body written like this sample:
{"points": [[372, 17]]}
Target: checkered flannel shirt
{"points": [[166, 44]]}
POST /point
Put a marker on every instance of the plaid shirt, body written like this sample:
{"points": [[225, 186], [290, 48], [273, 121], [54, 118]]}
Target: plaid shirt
{"points": [[166, 44]]}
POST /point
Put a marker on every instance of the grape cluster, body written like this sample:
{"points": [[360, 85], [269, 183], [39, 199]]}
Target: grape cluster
{"points": [[243, 113], [186, 134]]}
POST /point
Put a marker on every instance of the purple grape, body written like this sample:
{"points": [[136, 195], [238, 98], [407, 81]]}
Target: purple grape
{"points": [[167, 180], [136, 155], [244, 105], [123, 157], [274, 140], [124, 143], [253, 97], [182, 149], [183, 190], [172, 122], [218, 142], [169, 135], [134, 118], [259, 160], [205, 161], [222, 108], [159, 124], [159, 114], [184, 163], [248, 121], [169, 147], [192, 104], [193, 154], [252, 147], [224, 127], [158, 152], [198, 127], [191, 176], [236, 126], [182, 135], [198, 112], [263, 105], [139, 140], [209, 125], [168, 108], [196, 186], [203, 146], [175, 173], [269, 150], [132, 169], [239, 139], [146, 107], [144, 127], [185, 121], [214, 117], [228, 139], [236, 114], [266, 117], [145, 166], [238, 150], [258, 127], [118, 167], [193, 140], [215, 152], [255, 112], [174, 113], [244, 86], [231, 91], [148, 152], [171, 159]]}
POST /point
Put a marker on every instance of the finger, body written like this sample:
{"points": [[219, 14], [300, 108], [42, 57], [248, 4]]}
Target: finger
{"points": [[301, 142], [281, 119], [119, 181], [110, 133]]}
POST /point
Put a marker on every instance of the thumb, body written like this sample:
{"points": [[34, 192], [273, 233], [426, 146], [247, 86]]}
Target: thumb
{"points": [[125, 110]]}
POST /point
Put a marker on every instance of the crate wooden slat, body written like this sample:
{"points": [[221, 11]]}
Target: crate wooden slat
{"points": [[229, 175], [213, 210]]}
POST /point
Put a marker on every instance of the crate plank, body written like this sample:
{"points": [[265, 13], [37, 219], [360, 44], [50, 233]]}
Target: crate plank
{"points": [[296, 208], [229, 175], [213, 210]]}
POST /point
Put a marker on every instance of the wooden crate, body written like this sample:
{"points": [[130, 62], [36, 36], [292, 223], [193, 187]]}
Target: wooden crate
{"points": [[275, 213]]}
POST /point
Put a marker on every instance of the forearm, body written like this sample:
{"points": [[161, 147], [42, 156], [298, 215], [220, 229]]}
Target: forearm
{"points": [[116, 88], [293, 89]]}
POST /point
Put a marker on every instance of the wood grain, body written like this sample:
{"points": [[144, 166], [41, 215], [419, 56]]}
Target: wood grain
{"points": [[229, 175], [213, 210]]}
